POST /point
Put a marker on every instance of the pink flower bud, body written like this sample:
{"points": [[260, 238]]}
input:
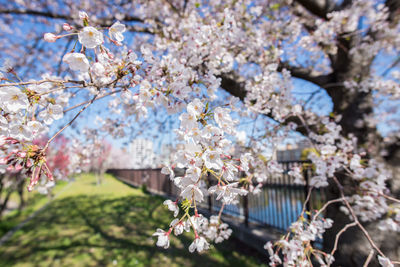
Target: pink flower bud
{"points": [[12, 140], [10, 168], [49, 37], [21, 154], [28, 164], [18, 167], [67, 27]]}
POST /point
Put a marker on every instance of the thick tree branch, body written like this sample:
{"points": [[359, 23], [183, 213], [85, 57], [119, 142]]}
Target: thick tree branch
{"points": [[49, 14], [235, 87], [316, 7], [394, 11], [307, 74], [102, 22], [34, 13], [322, 8]]}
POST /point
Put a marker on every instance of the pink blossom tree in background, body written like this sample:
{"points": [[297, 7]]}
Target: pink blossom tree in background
{"points": [[11, 182], [209, 65], [57, 157], [13, 178], [99, 157]]}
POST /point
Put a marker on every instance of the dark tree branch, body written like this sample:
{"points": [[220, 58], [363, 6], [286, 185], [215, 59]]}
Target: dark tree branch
{"points": [[236, 88], [52, 15], [307, 74], [322, 8], [102, 22], [316, 7], [34, 13], [233, 86], [394, 10]]}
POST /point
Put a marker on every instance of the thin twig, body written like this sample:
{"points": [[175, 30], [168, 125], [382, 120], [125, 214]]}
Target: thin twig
{"points": [[326, 205], [389, 197], [69, 123], [369, 258], [307, 199], [42, 81], [220, 211], [365, 232], [85, 102], [347, 226]]}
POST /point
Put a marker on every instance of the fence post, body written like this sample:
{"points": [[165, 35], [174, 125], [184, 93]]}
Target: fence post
{"points": [[158, 181], [169, 186], [245, 204], [246, 210], [307, 187]]}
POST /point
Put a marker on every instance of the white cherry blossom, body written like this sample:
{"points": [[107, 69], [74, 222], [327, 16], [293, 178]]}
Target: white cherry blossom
{"points": [[212, 159], [116, 31], [163, 238], [195, 108], [192, 191], [90, 37], [77, 61], [385, 262], [21, 132], [172, 206], [51, 113], [199, 244], [13, 99]]}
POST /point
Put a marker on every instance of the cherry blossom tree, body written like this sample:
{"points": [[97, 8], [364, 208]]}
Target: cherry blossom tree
{"points": [[183, 58], [99, 157], [11, 182], [13, 179]]}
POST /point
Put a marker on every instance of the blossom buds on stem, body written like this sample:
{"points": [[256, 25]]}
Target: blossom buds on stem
{"points": [[50, 37], [67, 27]]}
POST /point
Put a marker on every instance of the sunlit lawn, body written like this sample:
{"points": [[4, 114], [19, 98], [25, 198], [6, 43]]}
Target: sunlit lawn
{"points": [[109, 225], [33, 202]]}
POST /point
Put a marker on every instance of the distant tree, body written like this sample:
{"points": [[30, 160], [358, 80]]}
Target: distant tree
{"points": [[100, 159]]}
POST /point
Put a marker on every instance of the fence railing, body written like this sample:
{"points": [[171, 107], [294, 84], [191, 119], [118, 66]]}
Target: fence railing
{"points": [[279, 203]]}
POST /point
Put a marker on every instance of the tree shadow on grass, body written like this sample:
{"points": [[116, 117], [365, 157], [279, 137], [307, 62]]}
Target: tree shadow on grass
{"points": [[9, 221], [104, 231]]}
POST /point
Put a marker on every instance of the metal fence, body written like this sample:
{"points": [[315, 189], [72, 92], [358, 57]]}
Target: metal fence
{"points": [[279, 203]]}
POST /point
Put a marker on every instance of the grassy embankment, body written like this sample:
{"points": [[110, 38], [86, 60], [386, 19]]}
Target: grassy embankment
{"points": [[109, 225]]}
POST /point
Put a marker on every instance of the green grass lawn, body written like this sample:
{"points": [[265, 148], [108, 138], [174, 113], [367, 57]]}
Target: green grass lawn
{"points": [[109, 225], [33, 202]]}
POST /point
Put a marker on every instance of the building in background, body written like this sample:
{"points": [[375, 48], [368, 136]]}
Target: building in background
{"points": [[292, 152], [166, 153], [142, 154]]}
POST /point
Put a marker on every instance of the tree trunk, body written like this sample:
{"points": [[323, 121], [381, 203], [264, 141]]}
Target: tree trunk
{"points": [[21, 194], [353, 247]]}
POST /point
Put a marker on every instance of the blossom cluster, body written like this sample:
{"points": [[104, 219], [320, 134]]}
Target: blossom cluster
{"points": [[296, 247]]}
